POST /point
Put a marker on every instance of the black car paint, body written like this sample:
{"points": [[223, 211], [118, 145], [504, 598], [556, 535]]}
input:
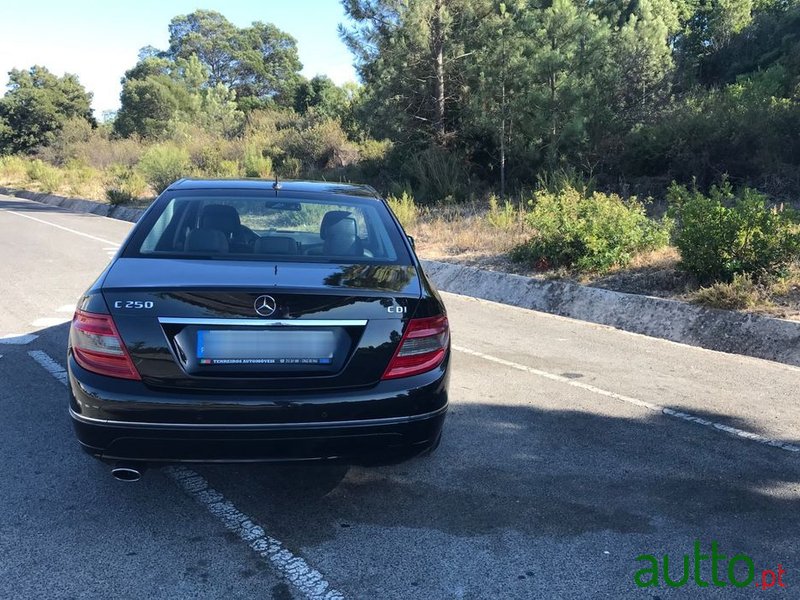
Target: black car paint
{"points": [[171, 415]]}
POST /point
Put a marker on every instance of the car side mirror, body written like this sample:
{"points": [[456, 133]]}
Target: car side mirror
{"points": [[411, 241]]}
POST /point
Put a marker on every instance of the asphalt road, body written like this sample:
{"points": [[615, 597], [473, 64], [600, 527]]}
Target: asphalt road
{"points": [[570, 449]]}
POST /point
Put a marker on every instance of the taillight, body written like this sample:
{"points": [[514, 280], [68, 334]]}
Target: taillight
{"points": [[421, 349], [97, 346]]}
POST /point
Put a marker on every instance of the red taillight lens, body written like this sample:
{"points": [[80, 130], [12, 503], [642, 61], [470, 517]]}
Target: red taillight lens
{"points": [[422, 348], [97, 346]]}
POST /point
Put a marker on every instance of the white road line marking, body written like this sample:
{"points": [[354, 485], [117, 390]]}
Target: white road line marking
{"points": [[49, 365], [67, 308], [307, 580], [748, 435], [18, 339], [610, 328], [91, 237], [50, 321], [310, 582]]}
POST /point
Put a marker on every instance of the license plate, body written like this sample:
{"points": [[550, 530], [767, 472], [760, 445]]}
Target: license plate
{"points": [[265, 347]]}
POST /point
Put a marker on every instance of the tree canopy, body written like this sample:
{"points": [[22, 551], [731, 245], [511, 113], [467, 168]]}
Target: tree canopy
{"points": [[211, 71], [259, 61], [628, 95], [615, 90], [36, 107]]}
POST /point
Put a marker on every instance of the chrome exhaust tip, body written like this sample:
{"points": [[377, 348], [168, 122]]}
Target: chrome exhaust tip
{"points": [[127, 472]]}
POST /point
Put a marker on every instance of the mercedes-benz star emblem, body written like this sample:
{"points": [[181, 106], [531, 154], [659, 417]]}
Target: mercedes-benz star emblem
{"points": [[265, 305]]}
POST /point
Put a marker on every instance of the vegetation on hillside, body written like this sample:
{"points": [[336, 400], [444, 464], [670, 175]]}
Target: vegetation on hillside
{"points": [[559, 113]]}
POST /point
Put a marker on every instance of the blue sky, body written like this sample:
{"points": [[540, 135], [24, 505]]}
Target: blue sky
{"points": [[99, 40]]}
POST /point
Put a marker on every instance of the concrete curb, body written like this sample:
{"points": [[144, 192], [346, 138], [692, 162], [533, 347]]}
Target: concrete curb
{"points": [[726, 331], [77, 205]]}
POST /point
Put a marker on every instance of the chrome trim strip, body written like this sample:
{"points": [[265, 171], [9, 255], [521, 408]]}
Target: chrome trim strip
{"points": [[265, 322], [260, 426]]}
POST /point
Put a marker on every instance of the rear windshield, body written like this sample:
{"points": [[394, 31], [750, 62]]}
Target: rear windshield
{"points": [[248, 225]]}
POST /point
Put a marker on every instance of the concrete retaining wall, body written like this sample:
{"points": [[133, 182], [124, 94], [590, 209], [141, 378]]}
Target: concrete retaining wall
{"points": [[727, 331], [735, 332], [77, 205]]}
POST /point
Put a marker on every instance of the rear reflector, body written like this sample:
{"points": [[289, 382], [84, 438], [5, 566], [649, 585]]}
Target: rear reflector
{"points": [[421, 349], [97, 346]]}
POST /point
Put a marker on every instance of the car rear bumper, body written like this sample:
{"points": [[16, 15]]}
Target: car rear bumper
{"points": [[356, 442], [124, 421]]}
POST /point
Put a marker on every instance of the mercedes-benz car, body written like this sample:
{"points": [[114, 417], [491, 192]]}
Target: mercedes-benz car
{"points": [[260, 321]]}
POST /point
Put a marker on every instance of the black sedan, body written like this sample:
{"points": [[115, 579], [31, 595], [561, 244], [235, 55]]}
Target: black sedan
{"points": [[257, 321]]}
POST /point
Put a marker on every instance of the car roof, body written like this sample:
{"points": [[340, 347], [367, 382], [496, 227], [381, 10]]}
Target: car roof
{"points": [[308, 187]]}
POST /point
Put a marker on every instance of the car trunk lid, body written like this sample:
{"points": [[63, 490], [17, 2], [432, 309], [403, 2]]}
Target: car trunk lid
{"points": [[248, 325]]}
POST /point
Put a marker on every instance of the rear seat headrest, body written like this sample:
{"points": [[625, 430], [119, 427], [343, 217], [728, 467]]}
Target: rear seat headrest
{"points": [[331, 218], [220, 216], [206, 240]]}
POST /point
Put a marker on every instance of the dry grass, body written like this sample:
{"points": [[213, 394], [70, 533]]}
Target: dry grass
{"points": [[464, 234], [784, 296], [743, 293], [76, 178]]}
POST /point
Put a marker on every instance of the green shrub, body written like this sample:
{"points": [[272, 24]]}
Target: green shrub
{"points": [[374, 150], [256, 164], [163, 164], [320, 145], [589, 233], [211, 162], [741, 293], [229, 168], [46, 176], [436, 175], [721, 235], [124, 185], [207, 160], [405, 209], [504, 217], [290, 167], [561, 178]]}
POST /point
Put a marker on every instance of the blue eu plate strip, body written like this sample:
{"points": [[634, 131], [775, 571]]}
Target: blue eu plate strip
{"points": [[200, 345]]}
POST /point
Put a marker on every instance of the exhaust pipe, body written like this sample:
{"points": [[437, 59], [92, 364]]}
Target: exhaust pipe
{"points": [[127, 471]]}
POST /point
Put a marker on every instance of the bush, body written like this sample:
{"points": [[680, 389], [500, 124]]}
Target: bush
{"points": [[124, 185], [229, 168], [741, 293], [47, 176], [79, 178], [506, 216], [290, 167], [374, 150], [589, 233], [405, 209], [163, 164], [256, 164], [320, 145], [13, 169], [720, 235], [436, 175]]}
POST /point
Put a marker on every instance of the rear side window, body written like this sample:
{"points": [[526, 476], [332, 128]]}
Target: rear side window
{"points": [[247, 225]]}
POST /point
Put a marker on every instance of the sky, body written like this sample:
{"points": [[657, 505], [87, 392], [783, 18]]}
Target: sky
{"points": [[100, 40]]}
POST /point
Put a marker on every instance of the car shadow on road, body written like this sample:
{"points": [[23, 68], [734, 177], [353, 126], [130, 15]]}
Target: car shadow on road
{"points": [[539, 472]]}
